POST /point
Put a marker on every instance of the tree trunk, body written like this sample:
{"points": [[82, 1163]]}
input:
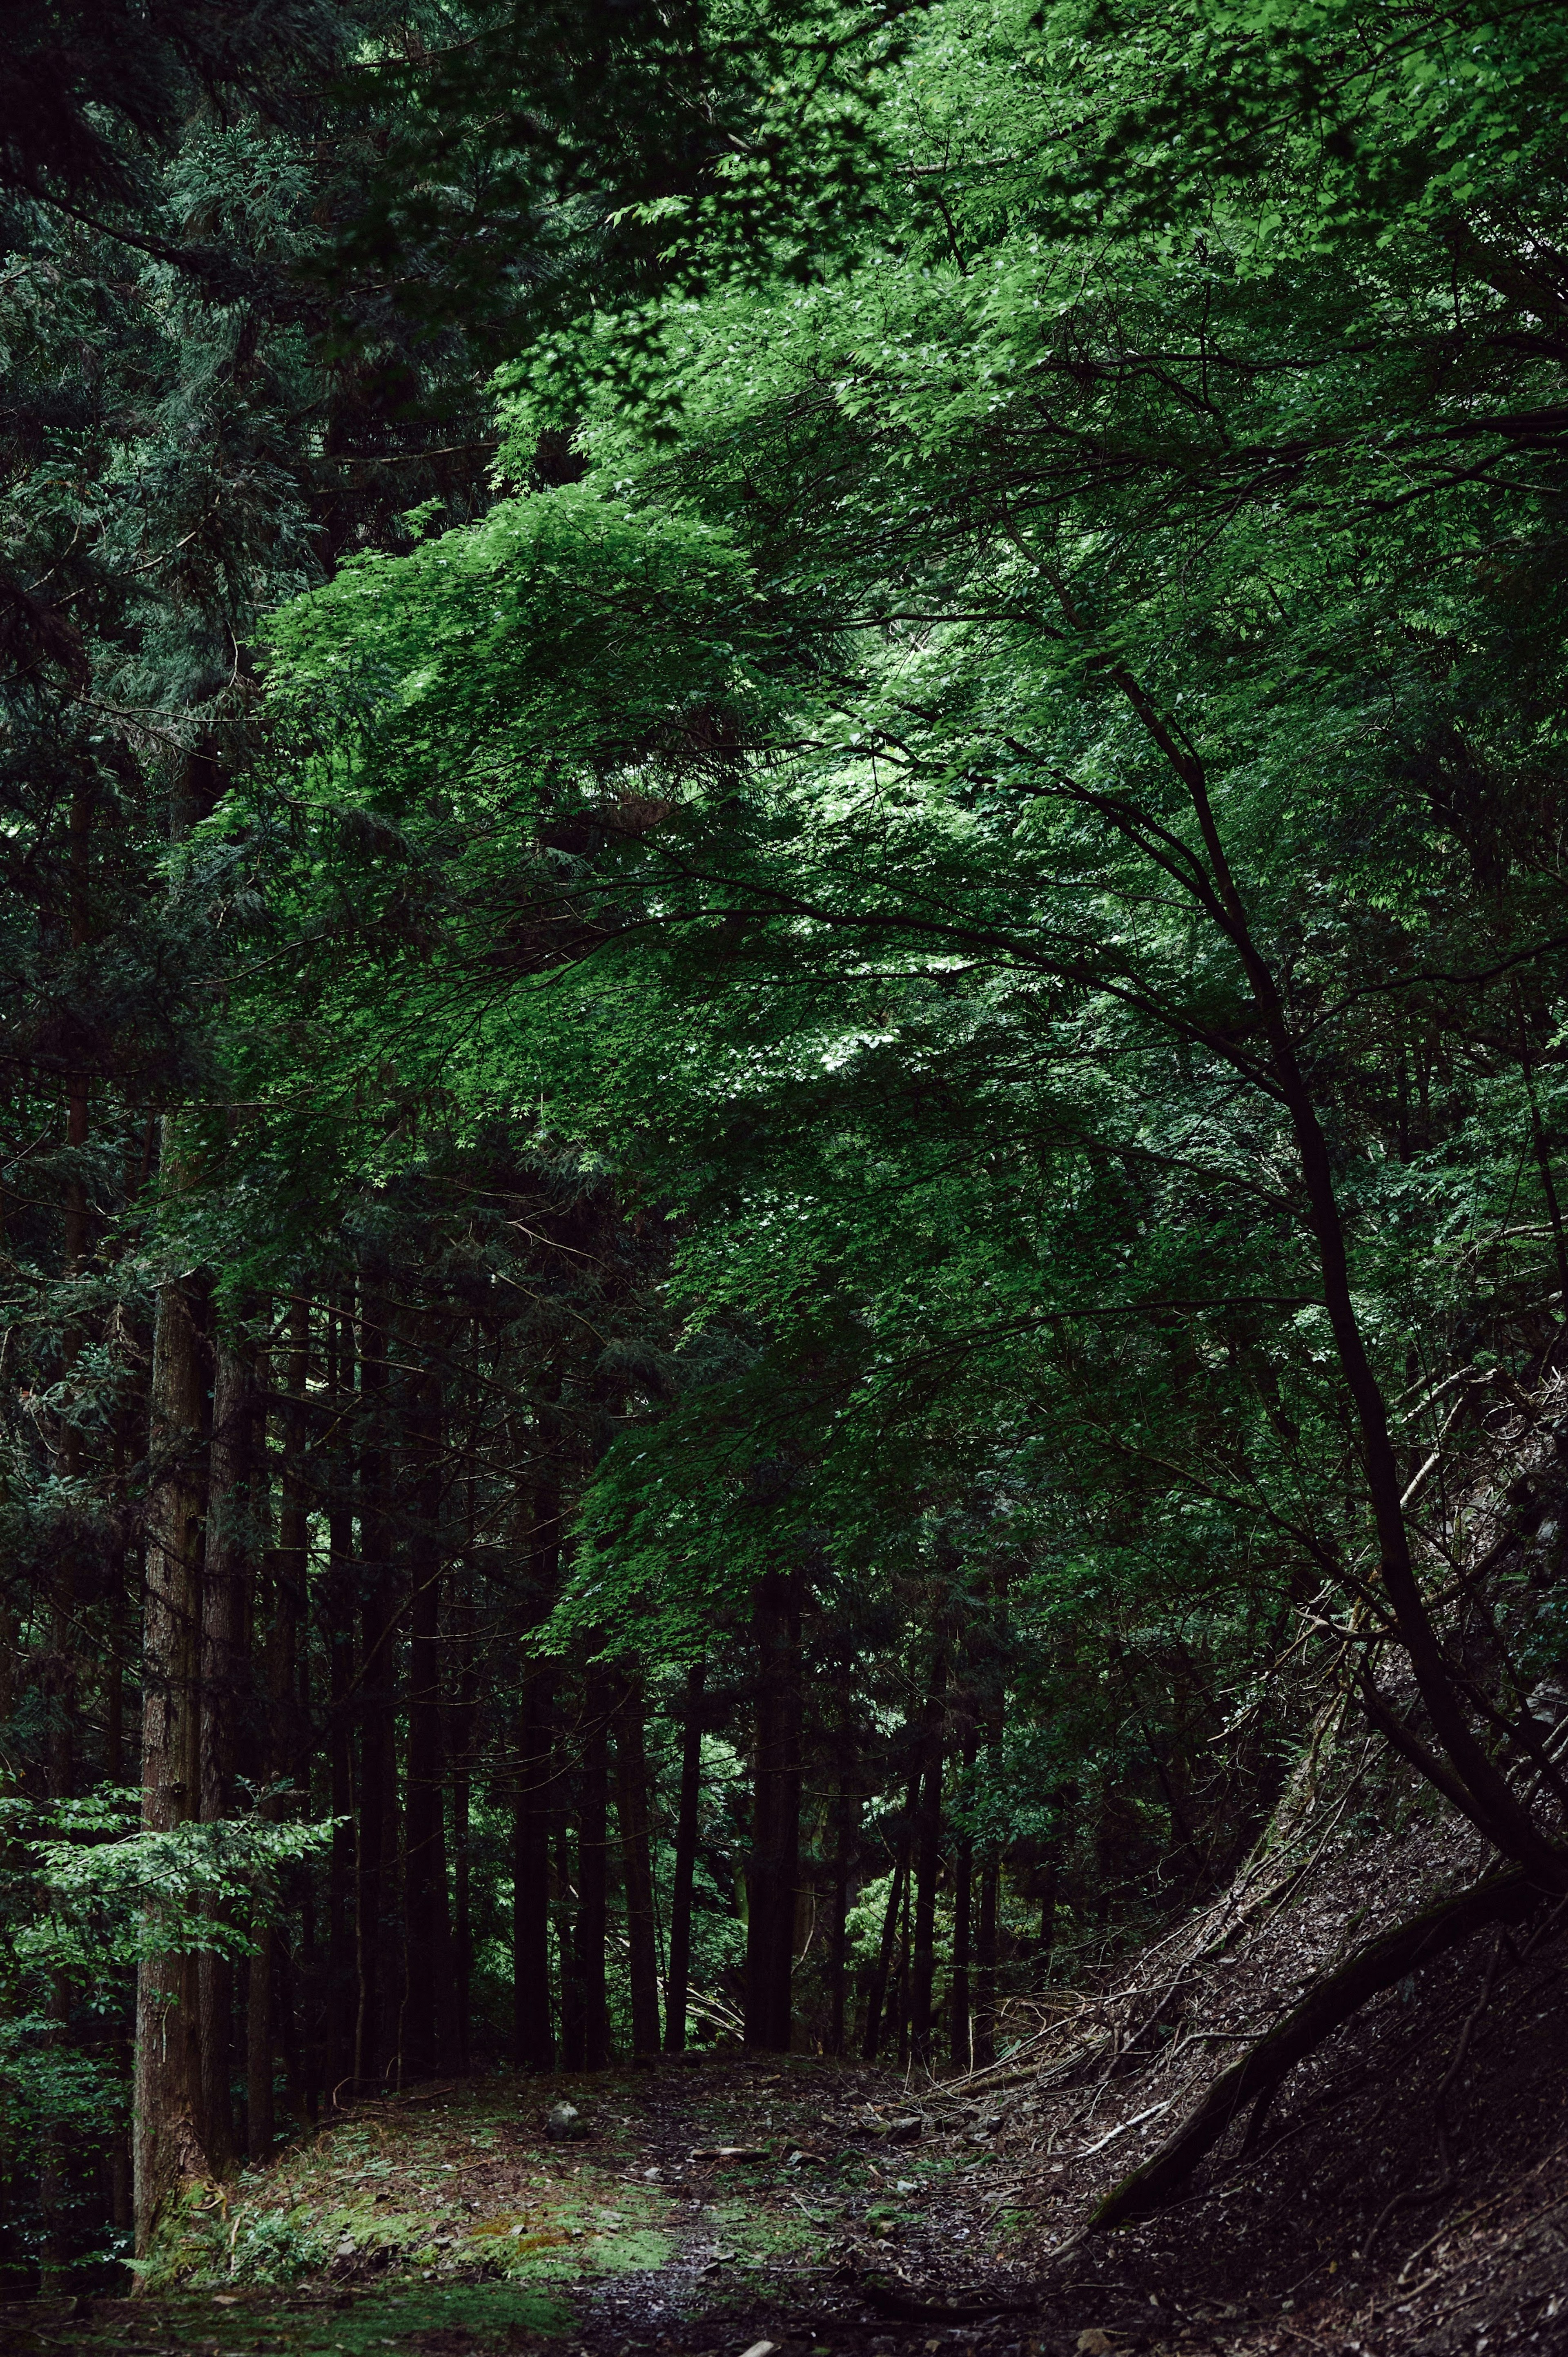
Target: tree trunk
{"points": [[226, 1697], [1463, 1772], [260, 2117], [421, 2046], [261, 2123], [535, 1804], [338, 1635], [901, 1991], [773, 1871], [637, 1869], [985, 1942], [593, 1841], [533, 2046], [573, 2010], [678, 1987], [846, 1826], [377, 1764], [877, 1995], [168, 2145], [959, 1997], [985, 1960], [928, 1865], [461, 1754]]}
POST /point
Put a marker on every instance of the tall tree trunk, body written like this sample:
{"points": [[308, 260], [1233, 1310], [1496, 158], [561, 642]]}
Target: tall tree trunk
{"points": [[985, 1944], [287, 1714], [962, 1912], [928, 1866], [636, 1867], [338, 1635], [774, 1867], [460, 1753], [168, 2145], [877, 1996], [846, 1827], [1542, 1145], [58, 1680], [226, 1699], [422, 2044], [593, 1861], [573, 2011], [377, 1763], [678, 1987], [985, 1951], [535, 1804], [259, 2110]]}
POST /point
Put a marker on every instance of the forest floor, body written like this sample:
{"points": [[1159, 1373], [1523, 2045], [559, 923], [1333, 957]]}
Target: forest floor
{"points": [[792, 2202]]}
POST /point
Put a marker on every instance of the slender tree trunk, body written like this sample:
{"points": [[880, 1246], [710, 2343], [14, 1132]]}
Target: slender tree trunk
{"points": [[376, 1649], [168, 2146], [679, 1986], [573, 2010], [533, 2046], [928, 1866], [461, 1755], [986, 1935], [593, 1841], [846, 1814], [535, 1806], [1050, 1879], [1542, 1145], [774, 1867], [878, 1995], [338, 1635], [1472, 1781], [59, 1681], [962, 1911], [261, 2122], [637, 1869], [421, 2046], [260, 2107], [985, 1959], [225, 1691]]}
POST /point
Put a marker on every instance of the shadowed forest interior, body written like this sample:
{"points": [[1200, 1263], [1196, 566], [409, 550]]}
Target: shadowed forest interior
{"points": [[782, 1047]]}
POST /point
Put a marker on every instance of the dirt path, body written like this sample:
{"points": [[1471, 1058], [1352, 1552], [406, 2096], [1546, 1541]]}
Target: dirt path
{"points": [[709, 2208], [716, 2207]]}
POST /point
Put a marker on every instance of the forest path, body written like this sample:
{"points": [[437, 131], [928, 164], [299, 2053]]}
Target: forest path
{"points": [[712, 2205], [732, 2202]]}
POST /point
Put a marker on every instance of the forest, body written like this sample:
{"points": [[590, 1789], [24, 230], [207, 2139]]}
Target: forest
{"points": [[783, 1052]]}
